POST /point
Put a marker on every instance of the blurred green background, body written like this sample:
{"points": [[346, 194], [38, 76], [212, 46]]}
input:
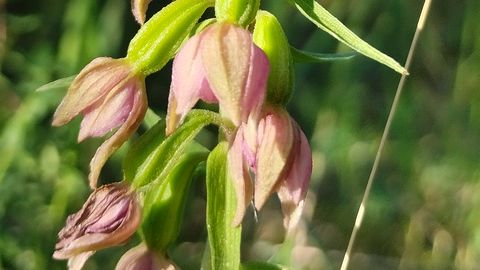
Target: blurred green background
{"points": [[424, 210]]}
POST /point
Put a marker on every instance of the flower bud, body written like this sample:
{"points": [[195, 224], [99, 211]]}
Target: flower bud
{"points": [[240, 12], [159, 38], [221, 64], [280, 160], [269, 36], [109, 217], [141, 258]]}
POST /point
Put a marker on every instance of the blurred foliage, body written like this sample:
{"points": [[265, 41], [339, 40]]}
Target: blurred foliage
{"points": [[424, 211]]}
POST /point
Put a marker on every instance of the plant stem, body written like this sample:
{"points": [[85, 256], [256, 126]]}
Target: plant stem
{"points": [[386, 131]]}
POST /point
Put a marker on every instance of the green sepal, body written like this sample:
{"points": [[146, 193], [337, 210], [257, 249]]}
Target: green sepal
{"points": [[262, 266], [152, 156], [159, 38], [300, 56], [318, 15], [164, 203], [270, 37], [241, 12], [224, 238]]}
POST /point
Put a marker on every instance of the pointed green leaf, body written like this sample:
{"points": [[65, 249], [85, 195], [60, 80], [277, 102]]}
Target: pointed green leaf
{"points": [[300, 56], [328, 23], [223, 237]]}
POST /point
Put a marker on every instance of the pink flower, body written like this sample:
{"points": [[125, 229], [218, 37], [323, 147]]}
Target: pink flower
{"points": [[109, 95], [279, 157], [109, 217], [141, 258], [221, 64]]}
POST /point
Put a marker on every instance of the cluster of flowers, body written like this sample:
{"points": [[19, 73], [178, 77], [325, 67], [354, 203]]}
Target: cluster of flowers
{"points": [[268, 152]]}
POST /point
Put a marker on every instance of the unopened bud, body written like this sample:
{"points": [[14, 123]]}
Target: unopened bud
{"points": [[269, 36]]}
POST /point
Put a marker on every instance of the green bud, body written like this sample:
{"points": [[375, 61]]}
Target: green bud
{"points": [[159, 38], [240, 12], [165, 201], [269, 36]]}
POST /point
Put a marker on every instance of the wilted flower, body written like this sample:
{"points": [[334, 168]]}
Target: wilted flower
{"points": [[109, 217], [221, 64], [109, 95], [279, 157], [141, 258]]}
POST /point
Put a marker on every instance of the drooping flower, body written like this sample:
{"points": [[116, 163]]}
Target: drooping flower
{"points": [[109, 217], [280, 159], [141, 258], [109, 95], [221, 64]]}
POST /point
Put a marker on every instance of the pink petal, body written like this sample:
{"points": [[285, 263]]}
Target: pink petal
{"points": [[107, 113], [273, 152], [240, 177], [293, 188], [189, 83], [255, 89], [94, 81], [134, 119], [140, 258], [226, 55]]}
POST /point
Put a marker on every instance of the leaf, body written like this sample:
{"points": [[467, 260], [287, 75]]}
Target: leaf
{"points": [[262, 266], [151, 157], [151, 118], [224, 239], [328, 23], [300, 56], [165, 201], [60, 83]]}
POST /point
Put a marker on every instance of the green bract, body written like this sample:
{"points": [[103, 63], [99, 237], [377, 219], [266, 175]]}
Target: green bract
{"points": [[240, 12], [223, 237], [164, 203], [151, 158], [269, 36], [160, 37]]}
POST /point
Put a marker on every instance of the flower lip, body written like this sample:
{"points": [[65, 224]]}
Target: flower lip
{"points": [[109, 217]]}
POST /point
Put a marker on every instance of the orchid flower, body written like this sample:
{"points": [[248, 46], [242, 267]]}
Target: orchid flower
{"points": [[220, 65], [280, 160], [109, 217], [109, 95]]}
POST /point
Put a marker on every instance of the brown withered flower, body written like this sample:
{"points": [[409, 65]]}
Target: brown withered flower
{"points": [[109, 217]]}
